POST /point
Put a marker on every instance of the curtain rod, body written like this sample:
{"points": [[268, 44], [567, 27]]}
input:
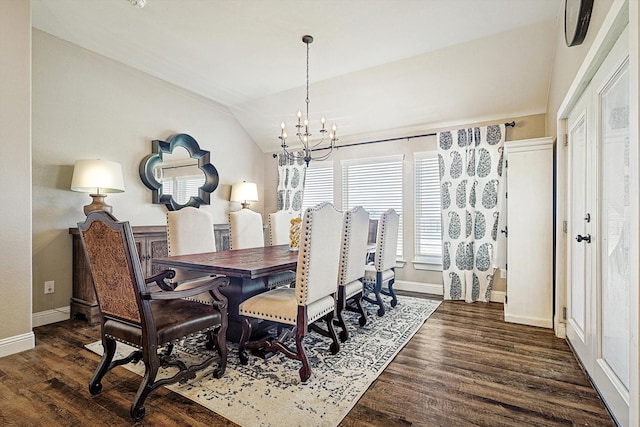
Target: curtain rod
{"points": [[400, 138]]}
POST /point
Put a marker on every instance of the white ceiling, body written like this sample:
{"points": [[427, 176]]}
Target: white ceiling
{"points": [[375, 65]]}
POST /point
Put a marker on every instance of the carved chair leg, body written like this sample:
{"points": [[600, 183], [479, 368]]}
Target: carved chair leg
{"points": [[151, 365], [344, 334], [305, 371], [246, 333], [109, 350], [392, 292], [377, 290], [335, 344], [221, 344], [363, 314]]}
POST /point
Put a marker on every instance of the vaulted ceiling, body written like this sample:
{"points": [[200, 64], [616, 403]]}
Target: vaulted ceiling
{"points": [[380, 67]]}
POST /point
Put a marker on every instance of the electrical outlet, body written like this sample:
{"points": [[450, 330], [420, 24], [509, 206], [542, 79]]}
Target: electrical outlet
{"points": [[49, 287]]}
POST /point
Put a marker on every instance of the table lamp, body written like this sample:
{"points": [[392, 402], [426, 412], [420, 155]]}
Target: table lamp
{"points": [[97, 177], [244, 192]]}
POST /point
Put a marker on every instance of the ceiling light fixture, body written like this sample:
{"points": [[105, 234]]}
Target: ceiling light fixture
{"points": [[302, 129]]}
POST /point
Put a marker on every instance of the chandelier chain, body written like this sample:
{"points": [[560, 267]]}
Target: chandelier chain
{"points": [[302, 128]]}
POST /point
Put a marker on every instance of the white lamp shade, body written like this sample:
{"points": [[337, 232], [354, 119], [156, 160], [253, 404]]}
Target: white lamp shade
{"points": [[97, 177], [244, 192]]}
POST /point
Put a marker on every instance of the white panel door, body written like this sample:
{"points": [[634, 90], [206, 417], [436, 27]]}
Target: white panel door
{"points": [[600, 230], [579, 224], [610, 373]]}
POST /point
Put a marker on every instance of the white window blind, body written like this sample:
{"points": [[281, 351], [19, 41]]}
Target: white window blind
{"points": [[318, 185], [428, 220], [183, 187], [188, 186], [376, 185]]}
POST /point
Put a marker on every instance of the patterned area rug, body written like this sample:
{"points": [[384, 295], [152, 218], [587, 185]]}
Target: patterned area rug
{"points": [[250, 395]]}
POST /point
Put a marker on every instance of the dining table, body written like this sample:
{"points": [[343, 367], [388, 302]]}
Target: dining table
{"points": [[247, 270]]}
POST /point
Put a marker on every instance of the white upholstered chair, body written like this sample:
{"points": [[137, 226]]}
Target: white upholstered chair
{"points": [[382, 271], [279, 226], [353, 252], [313, 297], [246, 231], [190, 231]]}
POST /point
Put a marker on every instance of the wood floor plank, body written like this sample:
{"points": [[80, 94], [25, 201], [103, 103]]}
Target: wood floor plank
{"points": [[464, 367]]}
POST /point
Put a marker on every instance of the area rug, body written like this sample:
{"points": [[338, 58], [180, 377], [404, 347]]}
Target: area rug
{"points": [[250, 395]]}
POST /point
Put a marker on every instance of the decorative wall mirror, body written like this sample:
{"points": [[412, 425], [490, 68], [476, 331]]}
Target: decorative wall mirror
{"points": [[179, 173]]}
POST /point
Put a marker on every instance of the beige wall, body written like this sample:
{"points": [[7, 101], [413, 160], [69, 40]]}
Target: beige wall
{"points": [[15, 174], [88, 106], [568, 60], [526, 127]]}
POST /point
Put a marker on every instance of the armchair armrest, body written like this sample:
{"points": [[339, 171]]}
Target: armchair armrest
{"points": [[212, 286], [159, 279]]}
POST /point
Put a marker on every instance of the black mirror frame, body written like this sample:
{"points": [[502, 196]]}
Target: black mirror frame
{"points": [[187, 142]]}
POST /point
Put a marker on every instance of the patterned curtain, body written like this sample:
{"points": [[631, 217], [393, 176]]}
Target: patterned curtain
{"points": [[471, 163], [291, 173]]}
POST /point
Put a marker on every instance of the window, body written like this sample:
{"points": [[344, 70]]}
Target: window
{"points": [[376, 185], [318, 185], [428, 220]]}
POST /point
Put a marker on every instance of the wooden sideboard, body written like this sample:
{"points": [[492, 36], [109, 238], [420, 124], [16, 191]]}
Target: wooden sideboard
{"points": [[151, 242]]}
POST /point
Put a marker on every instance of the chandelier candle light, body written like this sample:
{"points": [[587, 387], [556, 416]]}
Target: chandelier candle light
{"points": [[302, 129]]}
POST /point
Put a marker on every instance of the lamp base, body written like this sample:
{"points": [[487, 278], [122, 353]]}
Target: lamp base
{"points": [[245, 205], [98, 204]]}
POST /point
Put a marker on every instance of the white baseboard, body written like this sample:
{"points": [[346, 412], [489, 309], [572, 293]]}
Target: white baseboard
{"points": [[561, 330], [531, 321], [433, 289], [419, 287], [497, 296], [17, 343], [42, 318]]}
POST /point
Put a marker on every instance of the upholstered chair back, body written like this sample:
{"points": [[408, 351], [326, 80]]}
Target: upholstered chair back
{"points": [[115, 268], [245, 229], [387, 240], [279, 226], [189, 231], [319, 253], [353, 252]]}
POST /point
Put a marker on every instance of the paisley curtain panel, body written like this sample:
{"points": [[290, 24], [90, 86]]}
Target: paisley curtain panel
{"points": [[471, 164], [291, 174]]}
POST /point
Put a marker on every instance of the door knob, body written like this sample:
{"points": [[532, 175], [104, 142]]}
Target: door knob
{"points": [[586, 238]]}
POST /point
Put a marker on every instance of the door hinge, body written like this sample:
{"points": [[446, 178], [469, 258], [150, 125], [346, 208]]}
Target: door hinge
{"points": [[564, 226], [506, 297], [565, 142], [564, 313]]}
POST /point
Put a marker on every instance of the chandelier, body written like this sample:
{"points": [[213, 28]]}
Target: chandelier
{"points": [[302, 130]]}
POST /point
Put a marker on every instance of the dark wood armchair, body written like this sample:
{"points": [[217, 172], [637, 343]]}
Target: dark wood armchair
{"points": [[147, 314]]}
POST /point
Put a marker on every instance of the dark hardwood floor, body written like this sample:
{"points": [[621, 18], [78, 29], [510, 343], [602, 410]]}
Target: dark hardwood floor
{"points": [[464, 367]]}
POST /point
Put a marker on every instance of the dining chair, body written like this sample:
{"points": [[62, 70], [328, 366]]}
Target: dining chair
{"points": [[190, 231], [353, 252], [246, 231], [149, 318], [383, 268], [313, 297], [279, 227]]}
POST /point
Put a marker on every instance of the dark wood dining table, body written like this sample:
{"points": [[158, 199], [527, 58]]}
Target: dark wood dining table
{"points": [[247, 270]]}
